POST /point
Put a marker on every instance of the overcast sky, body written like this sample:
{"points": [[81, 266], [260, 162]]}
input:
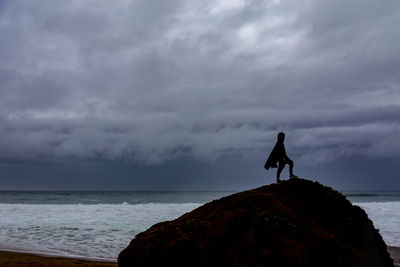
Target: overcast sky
{"points": [[190, 95]]}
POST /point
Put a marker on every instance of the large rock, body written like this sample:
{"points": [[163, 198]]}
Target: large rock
{"points": [[294, 223]]}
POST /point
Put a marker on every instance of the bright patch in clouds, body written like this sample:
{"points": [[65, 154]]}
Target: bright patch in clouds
{"points": [[151, 82]]}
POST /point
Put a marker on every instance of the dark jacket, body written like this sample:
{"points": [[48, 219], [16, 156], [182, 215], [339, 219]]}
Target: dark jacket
{"points": [[277, 154]]}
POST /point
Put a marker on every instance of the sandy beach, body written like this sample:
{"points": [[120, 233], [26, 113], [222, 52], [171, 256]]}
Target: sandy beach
{"points": [[24, 259], [395, 254]]}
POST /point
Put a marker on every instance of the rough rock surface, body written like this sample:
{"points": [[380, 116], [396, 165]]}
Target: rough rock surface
{"points": [[294, 223]]}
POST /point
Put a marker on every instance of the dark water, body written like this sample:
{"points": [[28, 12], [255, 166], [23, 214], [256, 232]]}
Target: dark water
{"points": [[140, 197], [372, 196], [107, 197]]}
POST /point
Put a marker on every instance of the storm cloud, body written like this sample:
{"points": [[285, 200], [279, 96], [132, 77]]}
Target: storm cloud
{"points": [[149, 82]]}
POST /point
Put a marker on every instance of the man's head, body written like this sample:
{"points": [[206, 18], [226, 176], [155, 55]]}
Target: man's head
{"points": [[281, 137]]}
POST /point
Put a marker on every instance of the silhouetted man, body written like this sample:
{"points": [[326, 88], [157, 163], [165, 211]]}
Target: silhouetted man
{"points": [[278, 155]]}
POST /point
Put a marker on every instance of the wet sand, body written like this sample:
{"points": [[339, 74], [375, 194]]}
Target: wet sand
{"points": [[23, 259], [395, 254], [18, 259]]}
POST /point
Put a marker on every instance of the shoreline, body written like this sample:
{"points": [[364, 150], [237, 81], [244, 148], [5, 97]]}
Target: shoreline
{"points": [[15, 258], [19, 259], [394, 254], [53, 255]]}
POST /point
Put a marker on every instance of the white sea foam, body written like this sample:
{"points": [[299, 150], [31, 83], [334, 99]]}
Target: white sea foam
{"points": [[94, 231], [386, 218]]}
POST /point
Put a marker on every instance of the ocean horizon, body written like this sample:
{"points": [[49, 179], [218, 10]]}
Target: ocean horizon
{"points": [[99, 224]]}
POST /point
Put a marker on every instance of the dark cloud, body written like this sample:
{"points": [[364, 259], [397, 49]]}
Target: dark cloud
{"points": [[150, 83]]}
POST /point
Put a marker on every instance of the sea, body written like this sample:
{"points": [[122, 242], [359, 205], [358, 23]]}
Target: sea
{"points": [[98, 225]]}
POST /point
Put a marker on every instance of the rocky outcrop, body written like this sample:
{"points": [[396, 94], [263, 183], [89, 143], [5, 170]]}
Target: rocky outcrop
{"points": [[294, 223]]}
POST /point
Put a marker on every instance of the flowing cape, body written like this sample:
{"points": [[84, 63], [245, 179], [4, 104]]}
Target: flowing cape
{"points": [[277, 153]]}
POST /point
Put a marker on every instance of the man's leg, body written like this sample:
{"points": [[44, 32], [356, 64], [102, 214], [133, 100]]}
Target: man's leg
{"points": [[280, 168], [290, 163]]}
